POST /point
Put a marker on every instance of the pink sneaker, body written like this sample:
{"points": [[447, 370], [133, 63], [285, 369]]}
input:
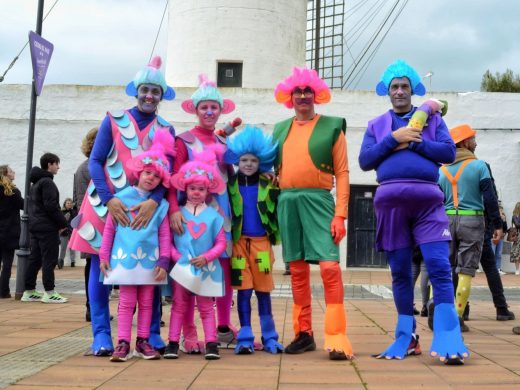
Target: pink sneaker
{"points": [[122, 352], [144, 350]]}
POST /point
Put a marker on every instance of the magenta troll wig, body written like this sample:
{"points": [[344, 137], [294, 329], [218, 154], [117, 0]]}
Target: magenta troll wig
{"points": [[155, 158], [202, 169], [301, 78]]}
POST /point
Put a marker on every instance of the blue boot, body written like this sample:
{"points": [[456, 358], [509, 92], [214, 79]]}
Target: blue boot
{"points": [[245, 338], [99, 312], [269, 335], [245, 341], [447, 342], [403, 339], [155, 339]]}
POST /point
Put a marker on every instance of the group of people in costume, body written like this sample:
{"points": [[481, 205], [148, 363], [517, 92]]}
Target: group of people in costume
{"points": [[205, 207]]}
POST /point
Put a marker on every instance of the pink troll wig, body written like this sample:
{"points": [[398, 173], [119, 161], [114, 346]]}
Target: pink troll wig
{"points": [[203, 169], [301, 78], [155, 158]]}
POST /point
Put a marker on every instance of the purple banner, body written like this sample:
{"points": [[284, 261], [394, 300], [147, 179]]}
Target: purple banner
{"points": [[41, 52]]}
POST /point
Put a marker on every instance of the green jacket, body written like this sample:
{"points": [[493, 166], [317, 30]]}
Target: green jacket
{"points": [[267, 200], [321, 142]]}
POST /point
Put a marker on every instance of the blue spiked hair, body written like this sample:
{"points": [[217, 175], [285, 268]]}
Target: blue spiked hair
{"points": [[400, 69], [252, 140]]}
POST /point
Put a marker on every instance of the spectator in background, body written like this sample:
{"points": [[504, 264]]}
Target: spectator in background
{"points": [[515, 249], [497, 248], [69, 212], [81, 180], [45, 223], [11, 202]]}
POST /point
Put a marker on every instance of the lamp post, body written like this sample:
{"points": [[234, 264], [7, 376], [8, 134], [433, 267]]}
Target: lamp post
{"points": [[24, 251]]}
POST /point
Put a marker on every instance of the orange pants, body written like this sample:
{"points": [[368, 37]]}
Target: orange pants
{"points": [[335, 316]]}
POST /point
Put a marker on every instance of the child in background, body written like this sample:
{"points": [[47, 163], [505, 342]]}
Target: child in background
{"points": [[197, 271], [138, 259], [69, 212], [255, 228]]}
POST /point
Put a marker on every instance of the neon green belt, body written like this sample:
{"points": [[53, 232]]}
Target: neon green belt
{"points": [[464, 212]]}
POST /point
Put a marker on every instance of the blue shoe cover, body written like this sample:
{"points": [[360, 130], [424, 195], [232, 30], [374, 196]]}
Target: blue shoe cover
{"points": [[100, 322], [102, 345], [269, 335], [403, 335], [447, 342], [245, 341], [156, 341]]}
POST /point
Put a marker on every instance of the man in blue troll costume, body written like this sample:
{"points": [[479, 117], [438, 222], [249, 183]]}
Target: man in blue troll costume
{"points": [[409, 210], [122, 134]]}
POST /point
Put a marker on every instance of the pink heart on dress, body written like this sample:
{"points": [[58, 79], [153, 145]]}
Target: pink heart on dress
{"points": [[196, 229]]}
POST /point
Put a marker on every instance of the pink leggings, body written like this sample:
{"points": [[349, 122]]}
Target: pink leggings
{"points": [[129, 296], [183, 305], [223, 306]]}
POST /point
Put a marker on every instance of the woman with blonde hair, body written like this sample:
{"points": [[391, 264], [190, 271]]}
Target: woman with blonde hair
{"points": [[11, 202], [515, 249]]}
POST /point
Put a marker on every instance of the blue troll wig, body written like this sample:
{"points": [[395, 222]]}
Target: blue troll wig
{"points": [[400, 69], [151, 74], [252, 140]]}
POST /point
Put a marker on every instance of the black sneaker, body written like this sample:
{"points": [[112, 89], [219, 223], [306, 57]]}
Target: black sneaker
{"points": [[302, 343], [456, 361], [212, 351], [415, 311], [424, 311], [60, 263], [503, 314], [172, 350], [72, 264], [335, 355]]}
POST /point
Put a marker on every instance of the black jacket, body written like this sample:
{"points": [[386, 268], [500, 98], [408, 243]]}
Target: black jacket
{"points": [[10, 207], [45, 215]]}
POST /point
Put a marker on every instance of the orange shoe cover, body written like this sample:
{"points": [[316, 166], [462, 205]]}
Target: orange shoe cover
{"points": [[335, 329]]}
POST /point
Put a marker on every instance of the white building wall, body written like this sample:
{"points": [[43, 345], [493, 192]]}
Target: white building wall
{"points": [[204, 32], [66, 113]]}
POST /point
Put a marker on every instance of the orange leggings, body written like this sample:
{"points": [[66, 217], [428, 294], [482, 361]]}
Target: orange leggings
{"points": [[301, 289]]}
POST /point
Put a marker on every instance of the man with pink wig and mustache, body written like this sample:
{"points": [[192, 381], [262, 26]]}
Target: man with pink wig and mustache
{"points": [[312, 153]]}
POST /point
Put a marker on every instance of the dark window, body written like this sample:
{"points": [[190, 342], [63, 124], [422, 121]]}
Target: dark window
{"points": [[229, 74]]}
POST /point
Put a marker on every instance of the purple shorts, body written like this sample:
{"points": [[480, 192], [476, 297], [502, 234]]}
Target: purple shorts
{"points": [[409, 213]]}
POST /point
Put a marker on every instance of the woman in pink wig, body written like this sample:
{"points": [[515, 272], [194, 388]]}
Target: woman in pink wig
{"points": [[207, 104]]}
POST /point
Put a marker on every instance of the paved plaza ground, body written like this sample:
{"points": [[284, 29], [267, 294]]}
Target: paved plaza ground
{"points": [[42, 346]]}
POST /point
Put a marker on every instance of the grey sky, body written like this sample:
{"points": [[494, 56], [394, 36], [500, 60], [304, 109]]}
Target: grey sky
{"points": [[106, 42]]}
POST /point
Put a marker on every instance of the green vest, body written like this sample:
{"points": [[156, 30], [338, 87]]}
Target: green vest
{"points": [[267, 199], [322, 140]]}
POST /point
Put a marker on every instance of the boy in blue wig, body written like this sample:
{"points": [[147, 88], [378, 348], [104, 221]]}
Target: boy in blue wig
{"points": [[255, 228]]}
